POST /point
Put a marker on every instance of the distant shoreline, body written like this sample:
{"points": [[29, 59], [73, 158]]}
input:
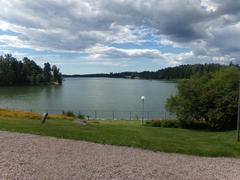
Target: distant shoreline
{"points": [[27, 84], [170, 73], [69, 77]]}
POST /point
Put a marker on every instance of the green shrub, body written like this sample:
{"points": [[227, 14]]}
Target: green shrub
{"points": [[170, 124], [210, 98], [163, 123], [198, 125], [81, 116], [154, 123], [68, 113]]}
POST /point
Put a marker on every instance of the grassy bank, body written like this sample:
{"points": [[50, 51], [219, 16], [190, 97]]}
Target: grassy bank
{"points": [[131, 133]]}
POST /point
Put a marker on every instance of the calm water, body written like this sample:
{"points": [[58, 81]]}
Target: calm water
{"points": [[93, 96]]}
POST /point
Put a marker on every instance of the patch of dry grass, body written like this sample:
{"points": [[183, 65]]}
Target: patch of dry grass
{"points": [[19, 114], [29, 115]]}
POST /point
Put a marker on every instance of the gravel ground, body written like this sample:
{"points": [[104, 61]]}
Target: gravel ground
{"points": [[28, 157]]}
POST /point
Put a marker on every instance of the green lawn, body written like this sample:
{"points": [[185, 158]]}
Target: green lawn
{"points": [[133, 134]]}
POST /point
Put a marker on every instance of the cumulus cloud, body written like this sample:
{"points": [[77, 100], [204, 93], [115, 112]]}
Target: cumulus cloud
{"points": [[210, 29], [121, 55], [100, 51]]}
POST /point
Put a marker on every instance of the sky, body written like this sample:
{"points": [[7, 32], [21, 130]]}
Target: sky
{"points": [[102, 36]]}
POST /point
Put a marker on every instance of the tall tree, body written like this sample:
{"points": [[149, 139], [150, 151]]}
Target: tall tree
{"points": [[47, 72], [57, 76]]}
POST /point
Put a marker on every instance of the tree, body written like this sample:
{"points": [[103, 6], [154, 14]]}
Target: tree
{"points": [[47, 72], [211, 98], [14, 72], [57, 76]]}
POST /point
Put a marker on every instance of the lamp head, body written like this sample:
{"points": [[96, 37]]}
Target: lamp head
{"points": [[142, 97]]}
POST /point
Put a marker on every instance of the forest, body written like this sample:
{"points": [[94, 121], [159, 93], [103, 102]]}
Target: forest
{"points": [[178, 72], [14, 72]]}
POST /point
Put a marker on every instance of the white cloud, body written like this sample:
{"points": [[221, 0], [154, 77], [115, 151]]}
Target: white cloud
{"points": [[112, 54], [100, 51], [209, 28], [209, 5]]}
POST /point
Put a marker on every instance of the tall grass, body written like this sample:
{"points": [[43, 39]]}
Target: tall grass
{"points": [[30, 115]]}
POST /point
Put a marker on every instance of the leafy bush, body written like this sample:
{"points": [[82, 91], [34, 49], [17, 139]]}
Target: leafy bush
{"points": [[211, 98], [198, 125], [81, 116], [68, 113], [163, 123]]}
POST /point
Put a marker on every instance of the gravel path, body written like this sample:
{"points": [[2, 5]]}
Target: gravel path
{"points": [[28, 157]]}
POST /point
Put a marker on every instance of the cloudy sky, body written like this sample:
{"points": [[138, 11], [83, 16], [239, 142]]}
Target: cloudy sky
{"points": [[94, 36]]}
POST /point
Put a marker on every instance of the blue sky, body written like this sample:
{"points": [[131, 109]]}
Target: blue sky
{"points": [[103, 36]]}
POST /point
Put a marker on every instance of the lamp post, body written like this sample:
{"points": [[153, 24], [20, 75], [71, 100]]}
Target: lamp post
{"points": [[142, 98]]}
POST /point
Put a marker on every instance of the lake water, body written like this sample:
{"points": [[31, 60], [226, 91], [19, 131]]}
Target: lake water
{"points": [[100, 97]]}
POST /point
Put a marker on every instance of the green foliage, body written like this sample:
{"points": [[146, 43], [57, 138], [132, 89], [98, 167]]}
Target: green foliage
{"points": [[57, 76], [81, 116], [163, 123], [211, 98], [13, 72], [198, 125], [47, 72], [181, 72], [178, 72], [68, 113]]}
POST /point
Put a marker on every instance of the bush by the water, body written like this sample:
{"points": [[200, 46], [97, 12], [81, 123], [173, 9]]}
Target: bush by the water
{"points": [[211, 98], [69, 113], [81, 116], [163, 123]]}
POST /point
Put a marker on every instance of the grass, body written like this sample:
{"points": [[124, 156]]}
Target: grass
{"points": [[29, 115], [133, 134]]}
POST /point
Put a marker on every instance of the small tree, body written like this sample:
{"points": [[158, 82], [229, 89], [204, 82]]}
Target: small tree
{"points": [[47, 72], [57, 76], [209, 98]]}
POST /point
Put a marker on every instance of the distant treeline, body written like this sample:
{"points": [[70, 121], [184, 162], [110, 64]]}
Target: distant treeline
{"points": [[87, 75], [178, 72], [14, 72]]}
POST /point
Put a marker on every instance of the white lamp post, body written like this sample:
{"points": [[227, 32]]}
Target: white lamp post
{"points": [[142, 98]]}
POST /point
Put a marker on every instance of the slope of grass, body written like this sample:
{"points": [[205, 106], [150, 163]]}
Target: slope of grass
{"points": [[133, 134]]}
